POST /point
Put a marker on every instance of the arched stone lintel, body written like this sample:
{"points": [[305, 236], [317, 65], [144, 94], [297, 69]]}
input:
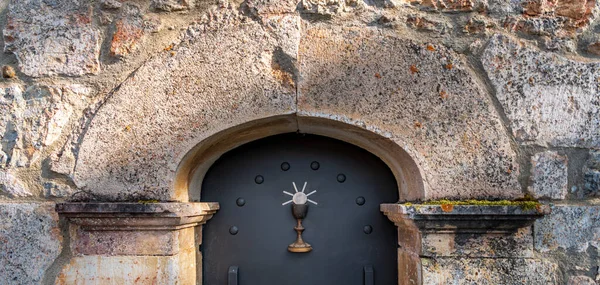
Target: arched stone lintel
{"points": [[196, 162]]}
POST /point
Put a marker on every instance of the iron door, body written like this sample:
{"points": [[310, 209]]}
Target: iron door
{"points": [[246, 242]]}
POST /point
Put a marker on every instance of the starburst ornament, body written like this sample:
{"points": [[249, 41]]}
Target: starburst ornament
{"points": [[299, 197]]}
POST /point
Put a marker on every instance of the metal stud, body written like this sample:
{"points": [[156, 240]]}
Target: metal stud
{"points": [[341, 178], [368, 229], [240, 202], [285, 166], [233, 230], [315, 165], [360, 201], [259, 179]]}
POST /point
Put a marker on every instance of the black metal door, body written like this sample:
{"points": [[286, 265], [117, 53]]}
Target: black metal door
{"points": [[247, 240]]}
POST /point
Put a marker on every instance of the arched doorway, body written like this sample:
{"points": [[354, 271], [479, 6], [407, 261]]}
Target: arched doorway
{"points": [[352, 241]]}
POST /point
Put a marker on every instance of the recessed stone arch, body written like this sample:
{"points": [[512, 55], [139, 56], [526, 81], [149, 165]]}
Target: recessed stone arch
{"points": [[198, 160]]}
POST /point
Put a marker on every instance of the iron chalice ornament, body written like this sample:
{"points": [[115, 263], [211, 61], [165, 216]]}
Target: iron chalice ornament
{"points": [[299, 203]]}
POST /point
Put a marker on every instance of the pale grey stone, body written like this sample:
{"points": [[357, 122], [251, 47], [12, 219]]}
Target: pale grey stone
{"points": [[489, 271], [35, 118], [422, 96], [57, 190], [549, 175], [12, 186], [111, 4], [224, 75], [591, 174], [173, 5], [581, 280], [276, 7], [549, 100], [323, 7], [568, 228], [31, 242], [52, 37]]}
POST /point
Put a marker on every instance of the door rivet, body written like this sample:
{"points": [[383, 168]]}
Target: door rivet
{"points": [[233, 230], [341, 178], [315, 165], [285, 166], [368, 229], [259, 179], [360, 201], [240, 202]]}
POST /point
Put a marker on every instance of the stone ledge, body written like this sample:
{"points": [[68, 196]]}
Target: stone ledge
{"points": [[463, 218], [142, 229], [136, 216]]}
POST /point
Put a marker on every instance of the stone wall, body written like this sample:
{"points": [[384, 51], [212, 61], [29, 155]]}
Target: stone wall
{"points": [[491, 99]]}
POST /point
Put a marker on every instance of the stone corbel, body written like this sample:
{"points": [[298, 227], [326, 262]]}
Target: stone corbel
{"points": [[459, 231], [147, 241]]}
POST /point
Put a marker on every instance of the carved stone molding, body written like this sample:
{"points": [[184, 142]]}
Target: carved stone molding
{"points": [[463, 218], [137, 216]]}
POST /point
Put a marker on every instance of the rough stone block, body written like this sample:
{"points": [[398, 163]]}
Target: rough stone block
{"points": [[129, 29], [422, 96], [501, 271], [549, 100], [12, 186], [29, 242], [57, 190], [581, 280], [549, 175], [52, 37], [591, 174], [173, 5], [261, 7], [568, 228], [32, 120], [323, 7]]}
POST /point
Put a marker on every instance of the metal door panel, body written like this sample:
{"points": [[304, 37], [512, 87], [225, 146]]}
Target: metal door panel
{"points": [[335, 227]]}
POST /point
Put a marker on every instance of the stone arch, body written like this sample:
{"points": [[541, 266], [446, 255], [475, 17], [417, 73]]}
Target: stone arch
{"points": [[239, 82], [200, 158]]}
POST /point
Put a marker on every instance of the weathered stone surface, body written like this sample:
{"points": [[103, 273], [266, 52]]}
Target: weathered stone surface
{"points": [[581, 280], [518, 244], [549, 100], [261, 7], [12, 186], [129, 29], [594, 48], [423, 97], [111, 4], [487, 271], [33, 119], [173, 5], [52, 37], [591, 174], [8, 72], [569, 228], [140, 135], [29, 242], [549, 175], [57, 190], [423, 23], [97, 269], [323, 7]]}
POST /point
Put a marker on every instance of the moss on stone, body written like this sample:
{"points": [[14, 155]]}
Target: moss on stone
{"points": [[525, 204], [148, 201]]}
